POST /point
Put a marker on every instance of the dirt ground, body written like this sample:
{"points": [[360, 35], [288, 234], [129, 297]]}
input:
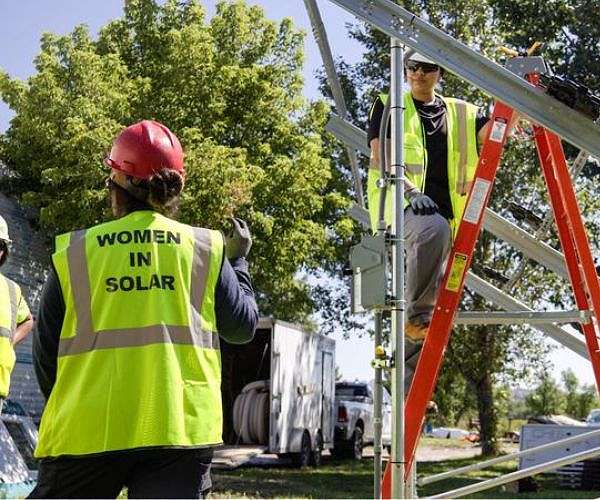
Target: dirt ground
{"points": [[436, 450]]}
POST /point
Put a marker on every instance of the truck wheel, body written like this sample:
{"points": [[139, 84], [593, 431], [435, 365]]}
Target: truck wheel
{"points": [[356, 443], [303, 458], [316, 457]]}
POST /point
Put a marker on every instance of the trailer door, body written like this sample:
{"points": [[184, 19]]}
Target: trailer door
{"points": [[327, 397]]}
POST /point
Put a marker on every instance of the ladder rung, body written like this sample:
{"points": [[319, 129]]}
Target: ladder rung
{"points": [[517, 317]]}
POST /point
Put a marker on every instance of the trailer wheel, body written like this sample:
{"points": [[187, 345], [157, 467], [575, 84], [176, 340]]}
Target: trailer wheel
{"points": [[356, 444], [316, 457], [303, 458]]}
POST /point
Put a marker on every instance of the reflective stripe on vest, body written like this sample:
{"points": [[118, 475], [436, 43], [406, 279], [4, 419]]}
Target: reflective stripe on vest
{"points": [[461, 134], [462, 155], [87, 339], [12, 298]]}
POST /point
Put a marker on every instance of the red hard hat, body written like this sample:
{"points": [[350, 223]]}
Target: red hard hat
{"points": [[145, 148]]}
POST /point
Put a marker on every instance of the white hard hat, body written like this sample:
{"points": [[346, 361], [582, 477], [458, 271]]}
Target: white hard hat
{"points": [[415, 56], [4, 230]]}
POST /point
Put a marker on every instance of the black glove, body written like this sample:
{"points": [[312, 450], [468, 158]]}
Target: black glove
{"points": [[238, 241], [421, 203]]}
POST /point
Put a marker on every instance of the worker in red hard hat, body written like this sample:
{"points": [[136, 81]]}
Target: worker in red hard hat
{"points": [[127, 348]]}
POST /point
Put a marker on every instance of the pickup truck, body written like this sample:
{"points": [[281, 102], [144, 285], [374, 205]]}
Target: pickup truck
{"points": [[354, 423]]}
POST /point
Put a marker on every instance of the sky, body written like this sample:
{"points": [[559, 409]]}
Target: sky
{"points": [[23, 22]]}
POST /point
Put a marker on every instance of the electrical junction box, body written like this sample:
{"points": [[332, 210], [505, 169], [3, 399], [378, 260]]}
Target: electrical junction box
{"points": [[370, 271]]}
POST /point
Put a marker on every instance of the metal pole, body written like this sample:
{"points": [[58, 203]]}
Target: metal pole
{"points": [[381, 229], [505, 458], [320, 35], [377, 412], [411, 483], [398, 309], [514, 476]]}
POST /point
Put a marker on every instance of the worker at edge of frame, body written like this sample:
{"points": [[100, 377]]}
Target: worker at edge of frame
{"points": [[441, 139], [15, 319], [127, 350]]}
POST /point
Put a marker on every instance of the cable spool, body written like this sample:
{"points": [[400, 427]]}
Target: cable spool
{"points": [[251, 413]]}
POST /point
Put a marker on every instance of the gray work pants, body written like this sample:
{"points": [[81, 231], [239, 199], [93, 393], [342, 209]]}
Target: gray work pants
{"points": [[428, 243]]}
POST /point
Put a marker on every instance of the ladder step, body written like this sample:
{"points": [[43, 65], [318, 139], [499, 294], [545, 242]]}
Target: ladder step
{"points": [[518, 317]]}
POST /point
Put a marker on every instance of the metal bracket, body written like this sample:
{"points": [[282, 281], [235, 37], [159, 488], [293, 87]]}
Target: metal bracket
{"points": [[522, 66]]}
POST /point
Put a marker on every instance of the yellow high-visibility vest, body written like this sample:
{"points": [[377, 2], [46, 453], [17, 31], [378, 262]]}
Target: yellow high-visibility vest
{"points": [[13, 311], [138, 360], [461, 122]]}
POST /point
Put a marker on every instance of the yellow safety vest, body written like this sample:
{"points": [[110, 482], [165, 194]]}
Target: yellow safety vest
{"points": [[10, 295], [461, 123], [138, 359]]}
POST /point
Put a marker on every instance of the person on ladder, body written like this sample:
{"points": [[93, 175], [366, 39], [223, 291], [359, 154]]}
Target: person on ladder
{"points": [[441, 137]]}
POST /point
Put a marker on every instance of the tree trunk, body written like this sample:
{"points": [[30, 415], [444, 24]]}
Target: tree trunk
{"points": [[488, 420]]}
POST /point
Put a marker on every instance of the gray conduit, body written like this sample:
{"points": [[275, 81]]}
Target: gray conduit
{"points": [[251, 413]]}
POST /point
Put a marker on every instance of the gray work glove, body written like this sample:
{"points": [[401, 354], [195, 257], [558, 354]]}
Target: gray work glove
{"points": [[238, 241], [421, 203]]}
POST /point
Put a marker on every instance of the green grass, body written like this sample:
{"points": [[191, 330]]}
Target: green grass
{"points": [[444, 443], [348, 479]]}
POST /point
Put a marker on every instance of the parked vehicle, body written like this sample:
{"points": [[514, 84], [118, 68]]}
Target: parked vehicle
{"points": [[593, 417], [449, 433], [278, 392], [354, 426]]}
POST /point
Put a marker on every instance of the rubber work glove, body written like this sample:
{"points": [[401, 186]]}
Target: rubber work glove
{"points": [[421, 203], [238, 241]]}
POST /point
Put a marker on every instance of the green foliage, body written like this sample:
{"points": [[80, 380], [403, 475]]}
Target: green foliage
{"points": [[546, 398], [578, 400], [230, 88]]}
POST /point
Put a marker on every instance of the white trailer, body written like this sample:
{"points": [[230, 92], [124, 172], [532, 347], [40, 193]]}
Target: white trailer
{"points": [[279, 391]]}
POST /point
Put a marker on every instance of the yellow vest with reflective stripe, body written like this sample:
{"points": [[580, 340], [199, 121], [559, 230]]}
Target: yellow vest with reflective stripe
{"points": [[138, 360], [461, 123], [10, 294]]}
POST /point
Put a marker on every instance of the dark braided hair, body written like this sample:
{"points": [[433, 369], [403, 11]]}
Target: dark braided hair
{"points": [[160, 193]]}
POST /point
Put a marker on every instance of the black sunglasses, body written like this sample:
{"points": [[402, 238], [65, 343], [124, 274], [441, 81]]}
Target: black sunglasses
{"points": [[425, 67]]}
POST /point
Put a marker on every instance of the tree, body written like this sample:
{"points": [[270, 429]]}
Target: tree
{"points": [[485, 356], [586, 400], [230, 89], [546, 398], [571, 384], [578, 401]]}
